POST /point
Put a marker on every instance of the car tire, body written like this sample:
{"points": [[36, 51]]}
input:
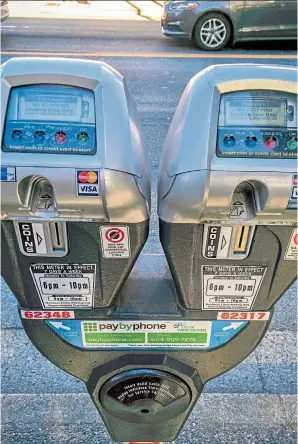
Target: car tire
{"points": [[218, 36]]}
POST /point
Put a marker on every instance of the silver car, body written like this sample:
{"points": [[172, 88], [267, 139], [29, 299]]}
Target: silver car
{"points": [[214, 24]]}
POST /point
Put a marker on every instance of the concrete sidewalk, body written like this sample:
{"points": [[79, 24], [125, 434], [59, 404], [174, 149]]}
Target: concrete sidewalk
{"points": [[71, 9]]}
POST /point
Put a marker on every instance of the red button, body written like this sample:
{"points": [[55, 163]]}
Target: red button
{"points": [[60, 137], [271, 143]]}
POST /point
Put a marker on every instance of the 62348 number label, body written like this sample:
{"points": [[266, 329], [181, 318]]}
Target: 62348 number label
{"points": [[248, 316], [29, 314]]}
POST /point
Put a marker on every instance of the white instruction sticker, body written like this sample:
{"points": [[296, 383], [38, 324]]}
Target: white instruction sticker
{"points": [[65, 285], [230, 287], [292, 249], [115, 242]]}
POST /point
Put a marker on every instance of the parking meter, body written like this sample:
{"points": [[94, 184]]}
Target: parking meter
{"points": [[75, 189], [227, 200]]}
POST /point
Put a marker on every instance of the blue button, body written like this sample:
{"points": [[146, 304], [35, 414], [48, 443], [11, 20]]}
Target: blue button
{"points": [[39, 136], [251, 141], [229, 141], [17, 134]]}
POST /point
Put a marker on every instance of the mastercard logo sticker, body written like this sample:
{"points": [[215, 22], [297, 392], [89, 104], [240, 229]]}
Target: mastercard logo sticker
{"points": [[87, 183], [87, 177]]}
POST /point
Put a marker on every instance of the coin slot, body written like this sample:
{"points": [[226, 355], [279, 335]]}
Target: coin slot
{"points": [[241, 239], [58, 236]]}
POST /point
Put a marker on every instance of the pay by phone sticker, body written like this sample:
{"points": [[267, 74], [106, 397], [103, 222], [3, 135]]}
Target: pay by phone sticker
{"points": [[115, 242], [292, 248], [231, 287], [102, 334], [65, 285]]}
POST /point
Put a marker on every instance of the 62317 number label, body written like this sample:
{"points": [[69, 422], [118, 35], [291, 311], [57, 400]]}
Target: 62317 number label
{"points": [[248, 316], [47, 314]]}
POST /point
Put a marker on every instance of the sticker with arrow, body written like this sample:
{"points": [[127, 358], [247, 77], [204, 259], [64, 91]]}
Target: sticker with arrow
{"points": [[217, 241], [59, 325], [233, 326], [31, 238]]}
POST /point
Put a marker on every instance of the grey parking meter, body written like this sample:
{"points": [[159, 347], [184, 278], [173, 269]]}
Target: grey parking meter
{"points": [[227, 201], [75, 200], [75, 191]]}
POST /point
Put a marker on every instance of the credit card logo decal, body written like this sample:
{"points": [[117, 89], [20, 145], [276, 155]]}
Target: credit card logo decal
{"points": [[87, 183], [8, 174]]}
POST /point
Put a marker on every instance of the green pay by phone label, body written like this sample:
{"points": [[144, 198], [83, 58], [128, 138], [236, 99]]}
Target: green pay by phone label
{"points": [[146, 333]]}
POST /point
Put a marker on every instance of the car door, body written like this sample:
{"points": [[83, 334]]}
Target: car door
{"points": [[286, 11], [260, 18]]}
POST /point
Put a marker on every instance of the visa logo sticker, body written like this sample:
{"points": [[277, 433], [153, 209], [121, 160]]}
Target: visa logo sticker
{"points": [[8, 174], [87, 183]]}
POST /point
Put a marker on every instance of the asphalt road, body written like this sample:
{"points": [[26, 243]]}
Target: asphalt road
{"points": [[253, 403]]}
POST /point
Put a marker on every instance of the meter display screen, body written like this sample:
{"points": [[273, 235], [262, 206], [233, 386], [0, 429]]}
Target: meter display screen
{"points": [[34, 106], [50, 119], [257, 124], [256, 112]]}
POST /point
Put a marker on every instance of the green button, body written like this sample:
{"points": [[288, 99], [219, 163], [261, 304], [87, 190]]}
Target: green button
{"points": [[83, 138], [292, 143]]}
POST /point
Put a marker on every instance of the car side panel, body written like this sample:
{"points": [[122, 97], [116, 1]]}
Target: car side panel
{"points": [[287, 14], [266, 18]]}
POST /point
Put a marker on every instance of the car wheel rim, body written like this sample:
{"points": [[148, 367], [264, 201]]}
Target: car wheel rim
{"points": [[213, 33]]}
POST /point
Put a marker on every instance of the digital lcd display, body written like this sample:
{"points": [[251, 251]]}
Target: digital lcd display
{"points": [[255, 112], [50, 107], [51, 119], [257, 124]]}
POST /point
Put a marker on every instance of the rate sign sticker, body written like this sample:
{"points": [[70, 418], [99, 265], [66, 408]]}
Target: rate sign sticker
{"points": [[232, 287], [64, 285]]}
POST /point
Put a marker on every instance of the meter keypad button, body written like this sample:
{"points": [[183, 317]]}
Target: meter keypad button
{"points": [[39, 136], [17, 134], [60, 137], [251, 141], [271, 143], [292, 143], [83, 138], [229, 141]]}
